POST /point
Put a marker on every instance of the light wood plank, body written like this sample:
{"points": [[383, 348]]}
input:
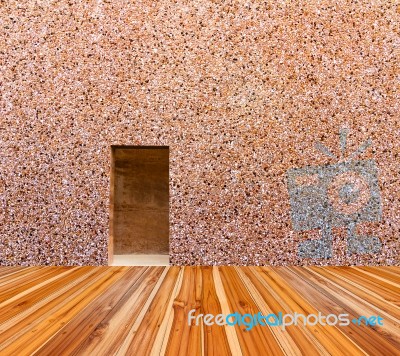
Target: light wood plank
{"points": [[144, 310]]}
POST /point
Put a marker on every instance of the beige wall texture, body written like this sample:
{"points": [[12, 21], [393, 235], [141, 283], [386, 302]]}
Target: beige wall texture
{"points": [[240, 91]]}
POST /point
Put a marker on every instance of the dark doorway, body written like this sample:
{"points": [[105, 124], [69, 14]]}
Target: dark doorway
{"points": [[139, 200]]}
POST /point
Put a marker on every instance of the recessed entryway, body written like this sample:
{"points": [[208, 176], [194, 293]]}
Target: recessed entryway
{"points": [[139, 222]]}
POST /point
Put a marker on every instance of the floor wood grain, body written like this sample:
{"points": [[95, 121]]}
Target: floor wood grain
{"points": [[144, 310]]}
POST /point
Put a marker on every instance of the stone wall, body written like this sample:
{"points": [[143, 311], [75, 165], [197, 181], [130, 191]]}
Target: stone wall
{"points": [[240, 91]]}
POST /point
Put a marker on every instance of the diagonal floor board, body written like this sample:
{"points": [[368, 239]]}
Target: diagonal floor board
{"points": [[144, 310]]}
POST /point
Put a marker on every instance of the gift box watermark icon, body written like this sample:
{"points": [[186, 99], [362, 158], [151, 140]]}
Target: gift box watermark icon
{"points": [[341, 195]]}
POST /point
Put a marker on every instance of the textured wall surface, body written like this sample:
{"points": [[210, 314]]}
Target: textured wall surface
{"points": [[240, 91]]}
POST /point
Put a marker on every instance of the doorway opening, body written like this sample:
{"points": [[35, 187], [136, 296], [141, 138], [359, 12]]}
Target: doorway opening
{"points": [[139, 203]]}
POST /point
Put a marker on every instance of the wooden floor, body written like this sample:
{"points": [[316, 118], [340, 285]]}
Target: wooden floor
{"points": [[144, 310]]}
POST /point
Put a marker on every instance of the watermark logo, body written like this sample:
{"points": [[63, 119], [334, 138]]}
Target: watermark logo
{"points": [[249, 321], [337, 195]]}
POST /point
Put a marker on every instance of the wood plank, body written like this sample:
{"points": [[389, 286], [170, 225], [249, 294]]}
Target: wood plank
{"points": [[160, 343], [184, 339], [106, 337], [231, 333], [330, 337], [387, 291], [367, 298], [144, 336], [263, 299], [215, 338], [30, 293], [27, 319], [259, 340], [319, 295], [357, 306], [6, 272], [377, 273], [19, 279], [74, 333], [144, 310], [28, 343]]}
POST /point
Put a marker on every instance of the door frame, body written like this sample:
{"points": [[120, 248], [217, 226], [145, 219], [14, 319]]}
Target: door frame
{"points": [[112, 193]]}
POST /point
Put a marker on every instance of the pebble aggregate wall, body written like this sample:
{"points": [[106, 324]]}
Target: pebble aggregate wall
{"points": [[240, 91]]}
